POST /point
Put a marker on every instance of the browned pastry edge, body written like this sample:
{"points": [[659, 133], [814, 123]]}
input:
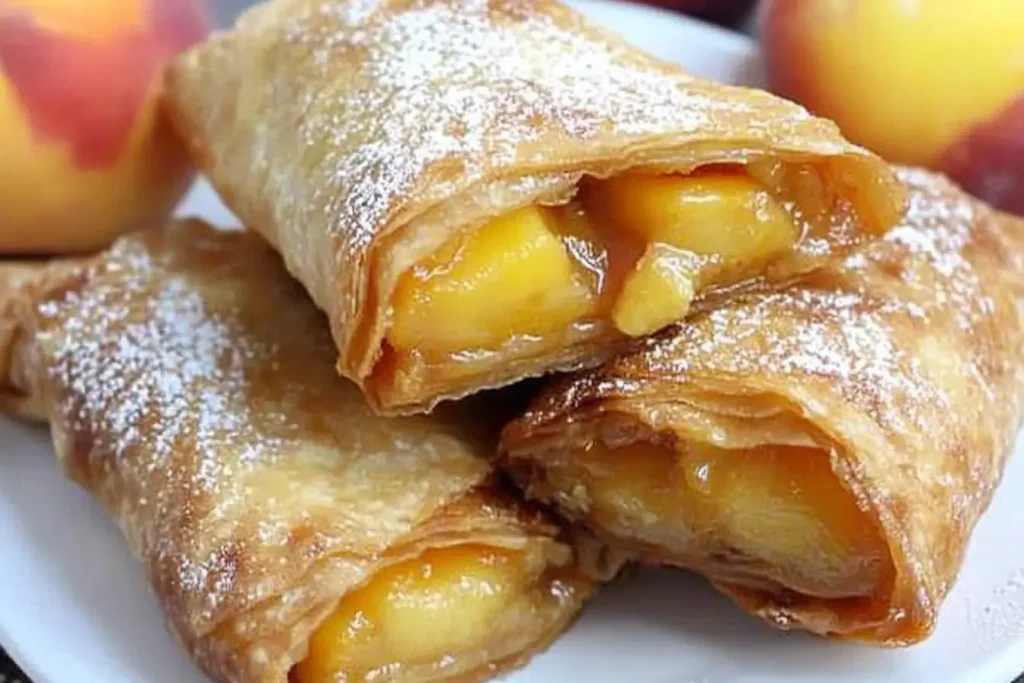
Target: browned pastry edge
{"points": [[21, 283]]}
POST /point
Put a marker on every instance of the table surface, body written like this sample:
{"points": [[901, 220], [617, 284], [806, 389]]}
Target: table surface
{"points": [[10, 673]]}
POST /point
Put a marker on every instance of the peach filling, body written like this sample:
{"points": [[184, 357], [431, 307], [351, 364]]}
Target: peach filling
{"points": [[444, 613], [765, 517], [630, 252]]}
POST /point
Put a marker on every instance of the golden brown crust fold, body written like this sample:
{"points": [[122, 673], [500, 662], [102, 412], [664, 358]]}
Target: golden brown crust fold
{"points": [[20, 284], [358, 137], [189, 386], [906, 361]]}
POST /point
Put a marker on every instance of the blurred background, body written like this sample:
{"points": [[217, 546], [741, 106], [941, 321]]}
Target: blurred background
{"points": [[723, 11], [935, 83], [88, 154], [226, 10]]}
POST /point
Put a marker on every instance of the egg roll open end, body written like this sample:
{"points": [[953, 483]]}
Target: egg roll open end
{"points": [[446, 614], [624, 257], [769, 518]]}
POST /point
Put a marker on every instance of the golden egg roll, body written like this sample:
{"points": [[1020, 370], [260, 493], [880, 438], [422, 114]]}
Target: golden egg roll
{"points": [[821, 453], [477, 192], [289, 534]]}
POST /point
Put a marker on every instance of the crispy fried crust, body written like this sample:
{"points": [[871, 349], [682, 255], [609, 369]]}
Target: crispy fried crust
{"points": [[906, 361], [357, 138], [190, 389]]}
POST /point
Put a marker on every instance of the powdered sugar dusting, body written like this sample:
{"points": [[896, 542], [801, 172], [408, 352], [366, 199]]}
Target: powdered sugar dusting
{"points": [[787, 334], [937, 234], [193, 392], [998, 620], [452, 82], [130, 362], [156, 374]]}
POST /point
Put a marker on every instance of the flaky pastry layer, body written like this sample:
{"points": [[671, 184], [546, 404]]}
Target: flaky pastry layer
{"points": [[822, 453], [189, 386], [361, 140]]}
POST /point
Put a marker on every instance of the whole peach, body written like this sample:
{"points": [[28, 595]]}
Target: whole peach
{"points": [[87, 148], [937, 83]]}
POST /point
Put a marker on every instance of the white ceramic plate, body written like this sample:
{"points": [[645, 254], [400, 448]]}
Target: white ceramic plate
{"points": [[74, 607]]}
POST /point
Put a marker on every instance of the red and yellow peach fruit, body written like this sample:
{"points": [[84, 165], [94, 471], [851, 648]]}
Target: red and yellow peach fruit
{"points": [[88, 152]]}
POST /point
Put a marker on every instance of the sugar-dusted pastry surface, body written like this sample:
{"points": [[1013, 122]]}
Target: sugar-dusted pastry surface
{"points": [[823, 452], [190, 387], [368, 142], [18, 281]]}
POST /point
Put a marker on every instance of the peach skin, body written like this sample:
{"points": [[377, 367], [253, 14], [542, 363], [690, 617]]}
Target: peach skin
{"points": [[937, 83], [88, 151]]}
